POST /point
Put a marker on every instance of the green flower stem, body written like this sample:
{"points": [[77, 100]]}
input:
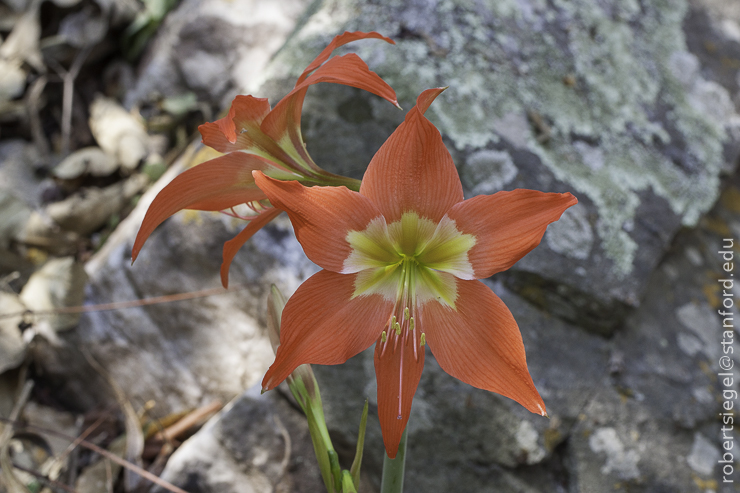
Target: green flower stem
{"points": [[393, 469]]}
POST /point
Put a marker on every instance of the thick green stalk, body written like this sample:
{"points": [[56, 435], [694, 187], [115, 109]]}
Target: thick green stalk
{"points": [[393, 469]]}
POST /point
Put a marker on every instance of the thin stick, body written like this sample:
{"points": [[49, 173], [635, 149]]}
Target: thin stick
{"points": [[68, 96], [33, 99], [120, 305], [188, 421]]}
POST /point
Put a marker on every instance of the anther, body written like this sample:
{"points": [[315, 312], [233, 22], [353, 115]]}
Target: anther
{"points": [[406, 313], [397, 328], [423, 339], [383, 336], [411, 323]]}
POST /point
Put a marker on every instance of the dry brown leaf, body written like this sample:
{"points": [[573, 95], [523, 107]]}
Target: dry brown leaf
{"points": [[59, 283], [23, 41], [89, 209], [118, 132], [90, 160]]}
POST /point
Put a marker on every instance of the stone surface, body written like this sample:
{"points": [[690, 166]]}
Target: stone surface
{"points": [[257, 444], [214, 48]]}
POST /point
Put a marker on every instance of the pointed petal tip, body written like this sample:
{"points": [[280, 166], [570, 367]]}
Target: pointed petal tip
{"points": [[427, 97]]}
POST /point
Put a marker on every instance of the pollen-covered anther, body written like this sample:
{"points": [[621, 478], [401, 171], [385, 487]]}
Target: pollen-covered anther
{"points": [[423, 341], [383, 336], [397, 328], [411, 324]]}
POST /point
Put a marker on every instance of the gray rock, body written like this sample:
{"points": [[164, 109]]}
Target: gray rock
{"points": [[257, 444], [214, 48]]}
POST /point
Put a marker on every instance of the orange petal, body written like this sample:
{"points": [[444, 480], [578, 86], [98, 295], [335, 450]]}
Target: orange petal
{"points": [[321, 217], [507, 225], [339, 40], [233, 245], [240, 131], [398, 373], [322, 324], [283, 123], [413, 171], [245, 111], [427, 97], [214, 185], [479, 343]]}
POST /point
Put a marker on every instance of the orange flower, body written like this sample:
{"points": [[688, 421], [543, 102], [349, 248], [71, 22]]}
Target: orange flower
{"points": [[401, 260], [253, 137]]}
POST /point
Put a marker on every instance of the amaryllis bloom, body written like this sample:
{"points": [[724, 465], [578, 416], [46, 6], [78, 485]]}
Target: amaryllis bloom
{"points": [[253, 137], [400, 261]]}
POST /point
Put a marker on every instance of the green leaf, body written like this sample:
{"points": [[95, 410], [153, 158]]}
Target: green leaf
{"points": [[357, 463], [348, 485], [336, 470]]}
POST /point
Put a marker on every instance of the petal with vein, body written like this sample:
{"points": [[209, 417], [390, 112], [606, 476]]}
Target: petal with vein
{"points": [[413, 170], [507, 225], [283, 123], [479, 343], [214, 185], [323, 325], [339, 40], [321, 217], [395, 384], [244, 111]]}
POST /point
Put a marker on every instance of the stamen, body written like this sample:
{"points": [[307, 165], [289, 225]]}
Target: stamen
{"points": [[400, 384], [383, 336], [423, 339], [406, 313], [413, 333], [397, 328]]}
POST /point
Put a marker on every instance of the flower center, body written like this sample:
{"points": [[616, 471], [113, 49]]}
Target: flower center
{"points": [[409, 262], [413, 254]]}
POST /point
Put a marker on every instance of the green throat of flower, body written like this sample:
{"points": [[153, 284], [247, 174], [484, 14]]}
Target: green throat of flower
{"points": [[410, 262]]}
